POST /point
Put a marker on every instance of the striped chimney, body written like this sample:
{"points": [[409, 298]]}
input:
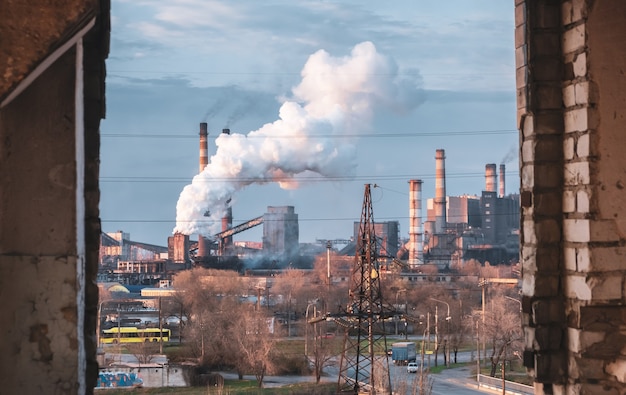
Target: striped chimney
{"points": [[440, 191], [204, 161], [204, 150], [416, 248], [227, 219], [491, 179], [501, 181]]}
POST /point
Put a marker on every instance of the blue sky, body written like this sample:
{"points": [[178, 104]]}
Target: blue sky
{"points": [[445, 71]]}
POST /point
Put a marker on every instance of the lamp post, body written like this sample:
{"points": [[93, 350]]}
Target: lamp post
{"points": [[98, 329], [448, 318], [504, 361], [306, 329], [329, 245], [516, 300], [396, 306]]}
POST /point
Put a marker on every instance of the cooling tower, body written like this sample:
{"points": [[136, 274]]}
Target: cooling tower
{"points": [[416, 247], [491, 179], [440, 191]]}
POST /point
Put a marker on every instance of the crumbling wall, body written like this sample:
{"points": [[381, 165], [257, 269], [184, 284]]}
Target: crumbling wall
{"points": [[571, 108]]}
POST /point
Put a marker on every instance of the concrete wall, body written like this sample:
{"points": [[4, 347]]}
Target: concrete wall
{"points": [[571, 109], [51, 104], [156, 375]]}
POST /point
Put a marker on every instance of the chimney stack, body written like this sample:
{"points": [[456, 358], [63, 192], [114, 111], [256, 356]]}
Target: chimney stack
{"points": [[416, 247], [227, 219], [501, 184], [204, 150], [491, 179], [204, 161], [440, 192]]}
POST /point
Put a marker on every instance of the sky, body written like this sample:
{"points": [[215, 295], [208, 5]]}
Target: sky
{"points": [[321, 97]]}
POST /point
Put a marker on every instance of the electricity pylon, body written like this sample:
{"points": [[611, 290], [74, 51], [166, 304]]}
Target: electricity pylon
{"points": [[364, 366]]}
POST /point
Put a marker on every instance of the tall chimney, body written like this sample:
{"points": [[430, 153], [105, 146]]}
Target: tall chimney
{"points": [[204, 150], [501, 182], [204, 161], [491, 179], [227, 219], [440, 191], [416, 247]]}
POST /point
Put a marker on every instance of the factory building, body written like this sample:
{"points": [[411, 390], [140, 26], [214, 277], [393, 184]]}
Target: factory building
{"points": [[387, 235], [281, 231], [459, 228]]}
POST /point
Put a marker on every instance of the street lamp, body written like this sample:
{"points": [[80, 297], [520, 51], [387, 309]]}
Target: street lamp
{"points": [[448, 318], [516, 300], [504, 361], [405, 310], [306, 328]]}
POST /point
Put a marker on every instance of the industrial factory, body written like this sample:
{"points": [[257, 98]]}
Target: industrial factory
{"points": [[456, 229]]}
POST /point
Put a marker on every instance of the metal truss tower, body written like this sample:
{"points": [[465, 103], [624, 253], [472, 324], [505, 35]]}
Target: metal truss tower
{"points": [[364, 367]]}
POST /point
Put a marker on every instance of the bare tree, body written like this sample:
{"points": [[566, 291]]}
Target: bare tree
{"points": [[145, 352], [205, 295], [503, 329], [252, 334], [322, 353], [290, 284]]}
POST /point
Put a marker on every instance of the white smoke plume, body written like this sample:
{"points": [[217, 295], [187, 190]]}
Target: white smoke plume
{"points": [[335, 99]]}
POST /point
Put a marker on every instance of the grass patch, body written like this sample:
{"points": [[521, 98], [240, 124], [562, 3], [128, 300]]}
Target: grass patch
{"points": [[440, 368]]}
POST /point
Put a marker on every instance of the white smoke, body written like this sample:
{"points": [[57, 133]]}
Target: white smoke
{"points": [[335, 99]]}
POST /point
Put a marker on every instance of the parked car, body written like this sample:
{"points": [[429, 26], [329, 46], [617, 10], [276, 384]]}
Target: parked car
{"points": [[412, 367]]}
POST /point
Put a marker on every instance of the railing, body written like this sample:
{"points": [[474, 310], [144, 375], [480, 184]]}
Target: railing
{"points": [[510, 387]]}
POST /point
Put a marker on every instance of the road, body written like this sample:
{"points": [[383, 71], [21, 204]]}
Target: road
{"points": [[456, 381], [449, 381]]}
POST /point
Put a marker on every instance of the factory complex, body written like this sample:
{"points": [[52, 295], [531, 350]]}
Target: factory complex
{"points": [[450, 231]]}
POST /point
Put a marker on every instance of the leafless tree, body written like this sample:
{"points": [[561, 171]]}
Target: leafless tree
{"points": [[252, 334], [207, 296], [291, 286], [502, 329], [332, 296], [145, 352], [322, 353]]}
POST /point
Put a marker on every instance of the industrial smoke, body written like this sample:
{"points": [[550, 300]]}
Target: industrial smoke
{"points": [[314, 132]]}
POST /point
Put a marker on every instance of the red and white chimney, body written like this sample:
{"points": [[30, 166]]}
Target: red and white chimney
{"points": [[204, 161], [204, 148], [440, 192], [227, 219], [416, 247], [501, 181], [491, 179]]}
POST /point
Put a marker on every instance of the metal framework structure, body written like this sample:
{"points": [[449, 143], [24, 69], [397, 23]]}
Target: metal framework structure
{"points": [[364, 366]]}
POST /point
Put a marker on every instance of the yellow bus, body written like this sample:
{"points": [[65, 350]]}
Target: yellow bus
{"points": [[130, 334]]}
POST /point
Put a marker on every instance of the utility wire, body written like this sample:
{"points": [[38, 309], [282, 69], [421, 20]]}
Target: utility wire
{"points": [[332, 136], [317, 178]]}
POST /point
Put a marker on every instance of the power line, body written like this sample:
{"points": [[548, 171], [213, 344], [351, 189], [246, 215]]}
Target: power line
{"points": [[287, 136], [298, 73], [317, 178], [235, 222]]}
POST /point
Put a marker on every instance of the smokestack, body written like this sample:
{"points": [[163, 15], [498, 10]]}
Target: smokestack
{"points": [[204, 161], [416, 248], [491, 179], [227, 219], [440, 191], [204, 150], [501, 183]]}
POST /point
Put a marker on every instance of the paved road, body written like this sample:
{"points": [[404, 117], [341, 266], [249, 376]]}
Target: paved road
{"points": [[450, 381]]}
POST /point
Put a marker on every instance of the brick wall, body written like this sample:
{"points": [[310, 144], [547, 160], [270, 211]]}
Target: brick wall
{"points": [[571, 109]]}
